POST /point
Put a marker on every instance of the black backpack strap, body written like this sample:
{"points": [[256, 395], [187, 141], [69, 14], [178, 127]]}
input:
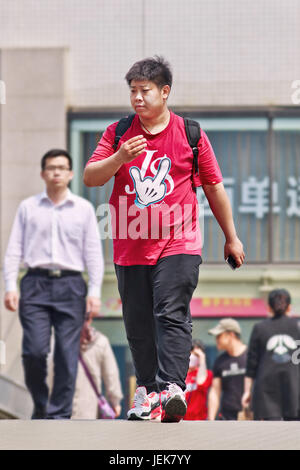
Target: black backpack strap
{"points": [[122, 126], [193, 133]]}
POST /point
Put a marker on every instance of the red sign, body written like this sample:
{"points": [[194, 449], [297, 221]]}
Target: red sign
{"points": [[208, 307], [228, 307]]}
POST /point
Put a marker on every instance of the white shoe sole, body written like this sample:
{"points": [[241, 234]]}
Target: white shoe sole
{"points": [[137, 417]]}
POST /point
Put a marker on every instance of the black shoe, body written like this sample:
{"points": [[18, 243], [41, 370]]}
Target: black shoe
{"points": [[39, 413], [57, 417]]}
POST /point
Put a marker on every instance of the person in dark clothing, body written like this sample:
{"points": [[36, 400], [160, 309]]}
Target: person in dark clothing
{"points": [[225, 396], [272, 375]]}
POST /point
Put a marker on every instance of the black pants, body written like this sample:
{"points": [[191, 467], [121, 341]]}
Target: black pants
{"points": [[45, 303], [279, 419], [155, 301], [228, 415]]}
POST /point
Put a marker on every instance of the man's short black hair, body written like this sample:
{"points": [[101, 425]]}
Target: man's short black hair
{"points": [[56, 153], [155, 69]]}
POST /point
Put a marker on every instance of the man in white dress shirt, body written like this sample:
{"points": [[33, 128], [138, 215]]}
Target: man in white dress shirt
{"points": [[56, 236]]}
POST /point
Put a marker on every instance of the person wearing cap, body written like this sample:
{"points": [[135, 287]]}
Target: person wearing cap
{"points": [[225, 396]]}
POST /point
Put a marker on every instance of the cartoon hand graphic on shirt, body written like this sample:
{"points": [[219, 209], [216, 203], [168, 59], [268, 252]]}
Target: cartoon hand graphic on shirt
{"points": [[150, 190]]}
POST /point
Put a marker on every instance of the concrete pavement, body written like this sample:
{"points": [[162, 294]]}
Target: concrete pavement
{"points": [[129, 435]]}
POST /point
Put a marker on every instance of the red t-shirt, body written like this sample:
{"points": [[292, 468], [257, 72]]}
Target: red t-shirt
{"points": [[196, 396], [154, 210]]}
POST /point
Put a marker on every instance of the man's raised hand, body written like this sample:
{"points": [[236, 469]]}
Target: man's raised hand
{"points": [[132, 148]]}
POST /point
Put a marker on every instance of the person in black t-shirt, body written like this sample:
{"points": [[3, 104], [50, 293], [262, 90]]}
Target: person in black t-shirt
{"points": [[272, 381], [225, 397]]}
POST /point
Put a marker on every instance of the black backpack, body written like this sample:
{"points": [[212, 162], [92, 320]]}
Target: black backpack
{"points": [[192, 129]]}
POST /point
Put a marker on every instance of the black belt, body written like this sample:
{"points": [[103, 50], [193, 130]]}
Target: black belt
{"points": [[53, 272]]}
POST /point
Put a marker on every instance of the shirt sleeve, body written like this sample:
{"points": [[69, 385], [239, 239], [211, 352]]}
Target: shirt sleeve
{"points": [[104, 148], [93, 255], [14, 251], [209, 170], [253, 355]]}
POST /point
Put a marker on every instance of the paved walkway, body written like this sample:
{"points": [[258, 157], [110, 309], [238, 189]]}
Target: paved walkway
{"points": [[129, 435]]}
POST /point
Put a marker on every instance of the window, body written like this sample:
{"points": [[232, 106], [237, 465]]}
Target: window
{"points": [[260, 161], [240, 146], [286, 194], [84, 137]]}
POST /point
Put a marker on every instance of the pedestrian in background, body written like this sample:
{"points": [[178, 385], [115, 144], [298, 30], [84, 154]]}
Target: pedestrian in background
{"points": [[225, 396], [272, 377], [198, 382], [100, 361], [56, 236]]}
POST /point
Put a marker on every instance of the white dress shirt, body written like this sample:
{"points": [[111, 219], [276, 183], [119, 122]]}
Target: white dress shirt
{"points": [[62, 236]]}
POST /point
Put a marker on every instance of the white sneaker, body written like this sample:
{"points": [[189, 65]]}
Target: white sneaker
{"points": [[173, 404], [143, 404]]}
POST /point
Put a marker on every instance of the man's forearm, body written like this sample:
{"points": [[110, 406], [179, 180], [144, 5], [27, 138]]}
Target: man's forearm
{"points": [[221, 208], [202, 374], [213, 405], [98, 173], [248, 382]]}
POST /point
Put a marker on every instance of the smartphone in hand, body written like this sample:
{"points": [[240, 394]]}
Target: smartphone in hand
{"points": [[231, 261]]}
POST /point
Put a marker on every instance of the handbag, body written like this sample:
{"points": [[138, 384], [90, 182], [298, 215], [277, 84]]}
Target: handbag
{"points": [[105, 410], [245, 415]]}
